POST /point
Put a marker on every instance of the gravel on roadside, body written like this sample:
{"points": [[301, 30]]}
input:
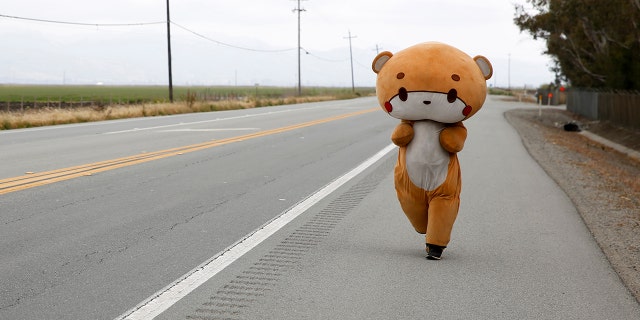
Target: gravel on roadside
{"points": [[603, 183]]}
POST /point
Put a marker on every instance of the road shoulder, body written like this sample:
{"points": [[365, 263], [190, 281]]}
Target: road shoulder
{"points": [[600, 181]]}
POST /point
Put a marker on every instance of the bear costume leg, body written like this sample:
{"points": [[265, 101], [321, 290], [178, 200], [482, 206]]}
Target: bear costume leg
{"points": [[442, 214], [434, 216], [430, 212], [417, 211]]}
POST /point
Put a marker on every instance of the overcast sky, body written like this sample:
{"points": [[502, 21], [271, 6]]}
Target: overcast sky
{"points": [[229, 42]]}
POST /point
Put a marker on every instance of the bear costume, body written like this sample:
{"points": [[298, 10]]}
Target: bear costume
{"points": [[431, 87]]}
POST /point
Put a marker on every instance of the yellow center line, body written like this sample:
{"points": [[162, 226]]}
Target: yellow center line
{"points": [[42, 178]]}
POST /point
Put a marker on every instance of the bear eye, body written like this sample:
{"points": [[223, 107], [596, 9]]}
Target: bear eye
{"points": [[455, 77], [400, 75]]}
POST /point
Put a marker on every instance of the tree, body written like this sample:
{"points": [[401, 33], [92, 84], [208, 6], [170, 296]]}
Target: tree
{"points": [[595, 43]]}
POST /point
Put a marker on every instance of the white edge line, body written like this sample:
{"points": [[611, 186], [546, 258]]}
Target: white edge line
{"points": [[169, 295]]}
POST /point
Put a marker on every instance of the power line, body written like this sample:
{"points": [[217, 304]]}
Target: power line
{"points": [[197, 34], [84, 23], [143, 24], [324, 59], [226, 44], [363, 65]]}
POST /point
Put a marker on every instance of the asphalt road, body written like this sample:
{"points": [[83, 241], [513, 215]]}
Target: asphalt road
{"points": [[115, 240], [94, 246]]}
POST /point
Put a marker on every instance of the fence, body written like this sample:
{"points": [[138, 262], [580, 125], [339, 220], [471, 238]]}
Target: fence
{"points": [[621, 108]]}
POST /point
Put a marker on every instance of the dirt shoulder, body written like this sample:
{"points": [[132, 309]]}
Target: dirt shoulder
{"points": [[603, 183]]}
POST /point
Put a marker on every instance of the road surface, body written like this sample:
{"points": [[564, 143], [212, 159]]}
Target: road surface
{"points": [[282, 213]]}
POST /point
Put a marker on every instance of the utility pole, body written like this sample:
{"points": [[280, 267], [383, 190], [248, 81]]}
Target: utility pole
{"points": [[169, 53], [353, 87], [509, 73], [299, 49], [378, 49]]}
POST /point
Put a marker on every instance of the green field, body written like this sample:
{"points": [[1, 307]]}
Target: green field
{"points": [[13, 94], [26, 106]]}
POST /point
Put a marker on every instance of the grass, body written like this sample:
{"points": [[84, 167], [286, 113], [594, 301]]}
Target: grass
{"points": [[101, 95], [108, 103], [499, 91]]}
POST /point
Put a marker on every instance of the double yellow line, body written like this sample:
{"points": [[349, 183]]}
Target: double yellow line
{"points": [[42, 178]]}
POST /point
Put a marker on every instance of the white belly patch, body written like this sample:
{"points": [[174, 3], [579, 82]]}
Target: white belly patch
{"points": [[427, 162]]}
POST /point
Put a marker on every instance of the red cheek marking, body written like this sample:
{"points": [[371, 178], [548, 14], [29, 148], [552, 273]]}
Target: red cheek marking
{"points": [[388, 106], [466, 110]]}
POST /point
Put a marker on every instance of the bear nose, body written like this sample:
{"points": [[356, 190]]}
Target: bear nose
{"points": [[402, 94]]}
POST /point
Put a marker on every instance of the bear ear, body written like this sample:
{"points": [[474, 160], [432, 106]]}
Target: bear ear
{"points": [[380, 60], [485, 66]]}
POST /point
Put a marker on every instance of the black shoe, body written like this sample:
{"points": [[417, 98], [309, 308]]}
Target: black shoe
{"points": [[434, 252]]}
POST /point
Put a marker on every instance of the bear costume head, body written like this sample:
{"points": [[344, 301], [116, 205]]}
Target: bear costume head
{"points": [[431, 81]]}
